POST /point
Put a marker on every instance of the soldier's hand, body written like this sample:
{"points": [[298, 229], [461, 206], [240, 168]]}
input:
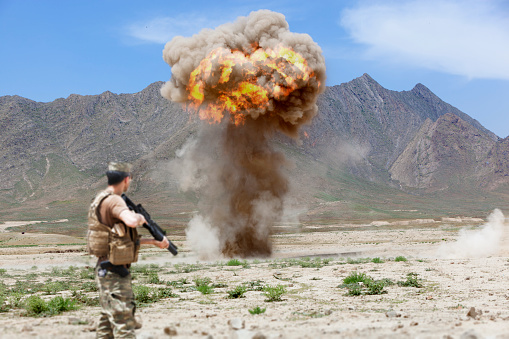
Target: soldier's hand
{"points": [[141, 219], [163, 244]]}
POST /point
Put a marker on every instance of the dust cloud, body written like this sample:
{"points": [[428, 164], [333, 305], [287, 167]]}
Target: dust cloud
{"points": [[479, 243]]}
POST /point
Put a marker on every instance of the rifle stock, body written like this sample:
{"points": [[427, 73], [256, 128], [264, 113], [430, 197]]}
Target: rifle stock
{"points": [[151, 225]]}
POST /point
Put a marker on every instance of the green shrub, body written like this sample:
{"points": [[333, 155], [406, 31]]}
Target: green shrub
{"points": [[69, 272], [400, 258], [4, 307], [60, 304], [375, 288], [219, 285], [15, 300], [355, 278], [3, 298], [89, 286], [187, 268], [87, 273], [354, 289], [274, 293], [315, 263], [55, 286], [254, 285], [386, 281], [357, 261], [360, 283], [201, 281], [35, 305], [411, 281], [237, 292], [203, 285], [147, 295], [23, 287], [234, 262], [377, 260], [84, 299], [153, 278], [205, 289], [144, 294], [163, 293], [257, 310]]}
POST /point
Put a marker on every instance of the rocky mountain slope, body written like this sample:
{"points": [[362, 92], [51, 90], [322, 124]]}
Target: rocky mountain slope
{"points": [[367, 141]]}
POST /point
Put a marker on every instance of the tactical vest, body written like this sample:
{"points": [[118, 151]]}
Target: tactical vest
{"points": [[119, 244]]}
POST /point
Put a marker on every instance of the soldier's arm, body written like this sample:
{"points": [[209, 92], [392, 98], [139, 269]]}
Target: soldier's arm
{"points": [[161, 244], [132, 219]]}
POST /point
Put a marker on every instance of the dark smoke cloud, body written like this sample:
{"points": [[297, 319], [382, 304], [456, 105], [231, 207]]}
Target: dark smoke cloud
{"points": [[234, 169]]}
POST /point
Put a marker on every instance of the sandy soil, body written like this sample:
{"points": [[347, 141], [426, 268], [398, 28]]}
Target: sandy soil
{"points": [[314, 307]]}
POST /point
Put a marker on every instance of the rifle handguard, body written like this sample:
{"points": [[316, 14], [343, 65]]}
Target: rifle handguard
{"points": [[150, 225]]}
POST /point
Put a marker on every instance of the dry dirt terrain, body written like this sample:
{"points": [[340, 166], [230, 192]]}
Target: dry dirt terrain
{"points": [[461, 267]]}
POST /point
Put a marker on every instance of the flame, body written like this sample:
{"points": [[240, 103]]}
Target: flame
{"points": [[241, 84]]}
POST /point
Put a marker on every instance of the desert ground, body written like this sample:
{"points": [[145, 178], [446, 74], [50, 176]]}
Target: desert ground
{"points": [[461, 266]]}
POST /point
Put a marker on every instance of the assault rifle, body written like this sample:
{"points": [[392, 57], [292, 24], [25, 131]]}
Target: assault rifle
{"points": [[151, 225]]}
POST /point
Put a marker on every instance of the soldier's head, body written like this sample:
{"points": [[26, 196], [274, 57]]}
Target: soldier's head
{"points": [[118, 173]]}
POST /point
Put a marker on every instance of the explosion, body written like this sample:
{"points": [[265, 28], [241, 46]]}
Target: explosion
{"points": [[242, 84], [246, 80]]}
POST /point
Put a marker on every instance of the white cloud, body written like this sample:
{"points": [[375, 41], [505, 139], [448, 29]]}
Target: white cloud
{"points": [[162, 29], [462, 37]]}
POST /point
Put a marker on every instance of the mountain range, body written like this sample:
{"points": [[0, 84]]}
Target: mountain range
{"points": [[370, 153]]}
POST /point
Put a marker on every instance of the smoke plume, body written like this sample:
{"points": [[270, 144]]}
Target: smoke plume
{"points": [[479, 243], [246, 80]]}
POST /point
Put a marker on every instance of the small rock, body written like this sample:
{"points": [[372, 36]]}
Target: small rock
{"points": [[472, 313], [414, 323], [92, 327], [259, 335], [170, 330], [471, 334], [236, 324], [138, 323], [145, 335], [74, 321], [392, 314], [241, 334], [397, 327], [27, 328]]}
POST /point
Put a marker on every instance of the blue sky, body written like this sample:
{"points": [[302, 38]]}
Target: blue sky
{"points": [[459, 49]]}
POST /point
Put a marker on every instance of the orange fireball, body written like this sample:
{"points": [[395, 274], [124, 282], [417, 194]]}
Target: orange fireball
{"points": [[238, 84]]}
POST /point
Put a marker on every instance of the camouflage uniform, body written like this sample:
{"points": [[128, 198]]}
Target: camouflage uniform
{"points": [[117, 301]]}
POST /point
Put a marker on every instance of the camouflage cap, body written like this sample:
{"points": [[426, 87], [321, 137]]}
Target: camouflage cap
{"points": [[119, 167]]}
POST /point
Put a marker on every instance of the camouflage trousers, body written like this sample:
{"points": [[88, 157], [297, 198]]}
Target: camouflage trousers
{"points": [[117, 302]]}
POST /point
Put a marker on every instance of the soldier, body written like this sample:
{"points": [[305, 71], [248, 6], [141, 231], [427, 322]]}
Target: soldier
{"points": [[113, 238]]}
